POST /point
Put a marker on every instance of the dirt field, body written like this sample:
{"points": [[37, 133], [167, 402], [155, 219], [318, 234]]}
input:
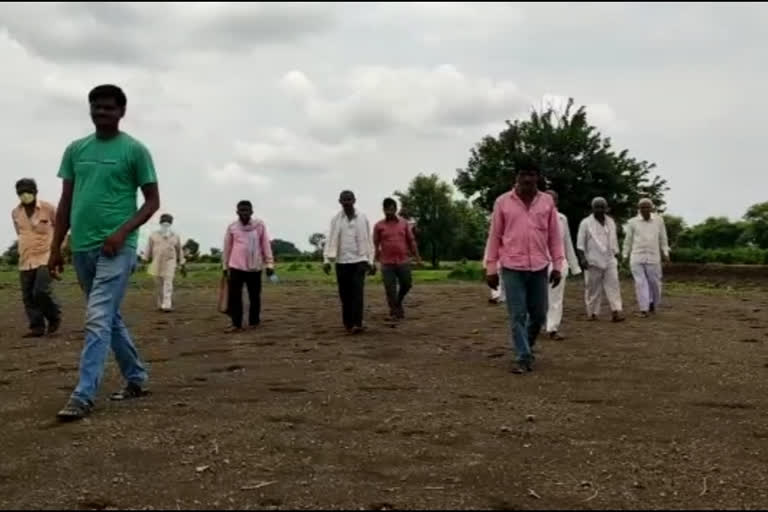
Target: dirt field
{"points": [[667, 412]]}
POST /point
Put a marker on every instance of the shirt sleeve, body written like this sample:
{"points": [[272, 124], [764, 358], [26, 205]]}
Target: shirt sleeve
{"points": [[628, 239], [144, 167], [180, 251], [581, 237], [556, 248], [570, 253], [493, 244], [67, 167], [15, 222], [663, 237], [226, 248], [266, 248]]}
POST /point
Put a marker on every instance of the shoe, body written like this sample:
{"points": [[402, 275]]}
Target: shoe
{"points": [[617, 317], [522, 368], [131, 390], [554, 335], [53, 326], [74, 410]]}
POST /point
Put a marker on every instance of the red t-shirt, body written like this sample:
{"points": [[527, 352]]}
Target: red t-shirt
{"points": [[393, 240]]}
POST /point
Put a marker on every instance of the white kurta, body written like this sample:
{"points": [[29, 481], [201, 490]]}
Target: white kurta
{"points": [[600, 246], [555, 309], [165, 252], [644, 244]]}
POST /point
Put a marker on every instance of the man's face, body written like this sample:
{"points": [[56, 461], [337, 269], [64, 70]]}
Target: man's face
{"points": [[27, 193], [599, 209], [244, 212], [105, 113], [646, 210], [527, 181], [390, 212], [347, 201]]}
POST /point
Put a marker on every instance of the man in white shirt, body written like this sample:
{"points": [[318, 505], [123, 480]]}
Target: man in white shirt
{"points": [[598, 247], [350, 246], [164, 252], [645, 245], [555, 310]]}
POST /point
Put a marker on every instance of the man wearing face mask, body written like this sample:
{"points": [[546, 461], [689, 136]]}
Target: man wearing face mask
{"points": [[165, 252], [34, 221]]}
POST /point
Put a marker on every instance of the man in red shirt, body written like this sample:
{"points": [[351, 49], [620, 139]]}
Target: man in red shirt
{"points": [[395, 243]]}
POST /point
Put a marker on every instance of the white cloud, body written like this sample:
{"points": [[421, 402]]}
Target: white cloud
{"points": [[375, 100], [288, 103]]}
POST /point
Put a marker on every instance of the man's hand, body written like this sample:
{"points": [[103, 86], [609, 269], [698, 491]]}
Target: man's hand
{"points": [[327, 269], [183, 271], [270, 272], [114, 243], [55, 263], [371, 269], [583, 264], [665, 258], [554, 278], [225, 272], [417, 261], [492, 281]]}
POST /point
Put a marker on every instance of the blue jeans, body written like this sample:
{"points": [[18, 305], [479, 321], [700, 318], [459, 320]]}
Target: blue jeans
{"points": [[527, 302], [104, 281]]}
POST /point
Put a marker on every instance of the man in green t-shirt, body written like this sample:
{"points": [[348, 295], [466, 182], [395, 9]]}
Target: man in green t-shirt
{"points": [[101, 174]]}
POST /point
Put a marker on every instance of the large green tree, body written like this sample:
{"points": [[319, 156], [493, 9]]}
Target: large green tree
{"points": [[675, 227], [576, 160], [429, 202], [191, 250], [471, 231], [284, 248], [714, 233], [11, 255], [757, 225]]}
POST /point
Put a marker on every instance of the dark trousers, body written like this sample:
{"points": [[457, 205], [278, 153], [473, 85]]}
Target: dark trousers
{"points": [[351, 281], [397, 283], [527, 304], [252, 280], [39, 301]]}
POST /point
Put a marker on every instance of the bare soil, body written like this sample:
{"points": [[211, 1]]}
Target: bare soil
{"points": [[664, 412]]}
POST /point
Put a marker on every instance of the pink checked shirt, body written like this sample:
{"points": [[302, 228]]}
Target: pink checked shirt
{"points": [[247, 247], [522, 238]]}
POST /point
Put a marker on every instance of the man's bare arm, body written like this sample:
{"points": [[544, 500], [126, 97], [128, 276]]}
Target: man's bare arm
{"points": [[151, 204]]}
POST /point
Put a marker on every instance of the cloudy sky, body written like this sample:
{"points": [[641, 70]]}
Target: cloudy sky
{"points": [[286, 104]]}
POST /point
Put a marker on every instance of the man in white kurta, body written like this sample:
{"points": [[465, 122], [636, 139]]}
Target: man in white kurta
{"points": [[598, 247], [555, 310], [645, 244], [164, 252]]}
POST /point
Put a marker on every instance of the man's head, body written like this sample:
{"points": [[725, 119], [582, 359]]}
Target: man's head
{"points": [[554, 195], [347, 201], [599, 207], [245, 211], [390, 208], [26, 189], [646, 208], [107, 106], [166, 218], [528, 174]]}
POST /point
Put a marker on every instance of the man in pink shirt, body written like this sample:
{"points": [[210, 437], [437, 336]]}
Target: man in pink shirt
{"points": [[247, 251], [524, 232], [394, 243]]}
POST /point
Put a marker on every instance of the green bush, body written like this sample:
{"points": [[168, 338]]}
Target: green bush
{"points": [[467, 272], [294, 267], [735, 256]]}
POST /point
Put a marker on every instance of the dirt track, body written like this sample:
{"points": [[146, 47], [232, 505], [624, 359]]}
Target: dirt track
{"points": [[668, 412]]}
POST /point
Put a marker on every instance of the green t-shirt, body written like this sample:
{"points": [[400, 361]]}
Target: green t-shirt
{"points": [[107, 175]]}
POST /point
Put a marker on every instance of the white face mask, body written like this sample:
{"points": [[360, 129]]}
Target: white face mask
{"points": [[165, 227]]}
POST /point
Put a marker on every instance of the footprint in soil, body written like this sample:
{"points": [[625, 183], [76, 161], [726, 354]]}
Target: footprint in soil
{"points": [[723, 405], [230, 368], [96, 504], [381, 506], [750, 340], [5, 383]]}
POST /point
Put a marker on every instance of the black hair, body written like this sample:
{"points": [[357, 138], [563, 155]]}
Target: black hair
{"points": [[108, 91], [245, 202], [389, 202], [346, 192], [528, 164], [166, 216], [27, 182]]}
